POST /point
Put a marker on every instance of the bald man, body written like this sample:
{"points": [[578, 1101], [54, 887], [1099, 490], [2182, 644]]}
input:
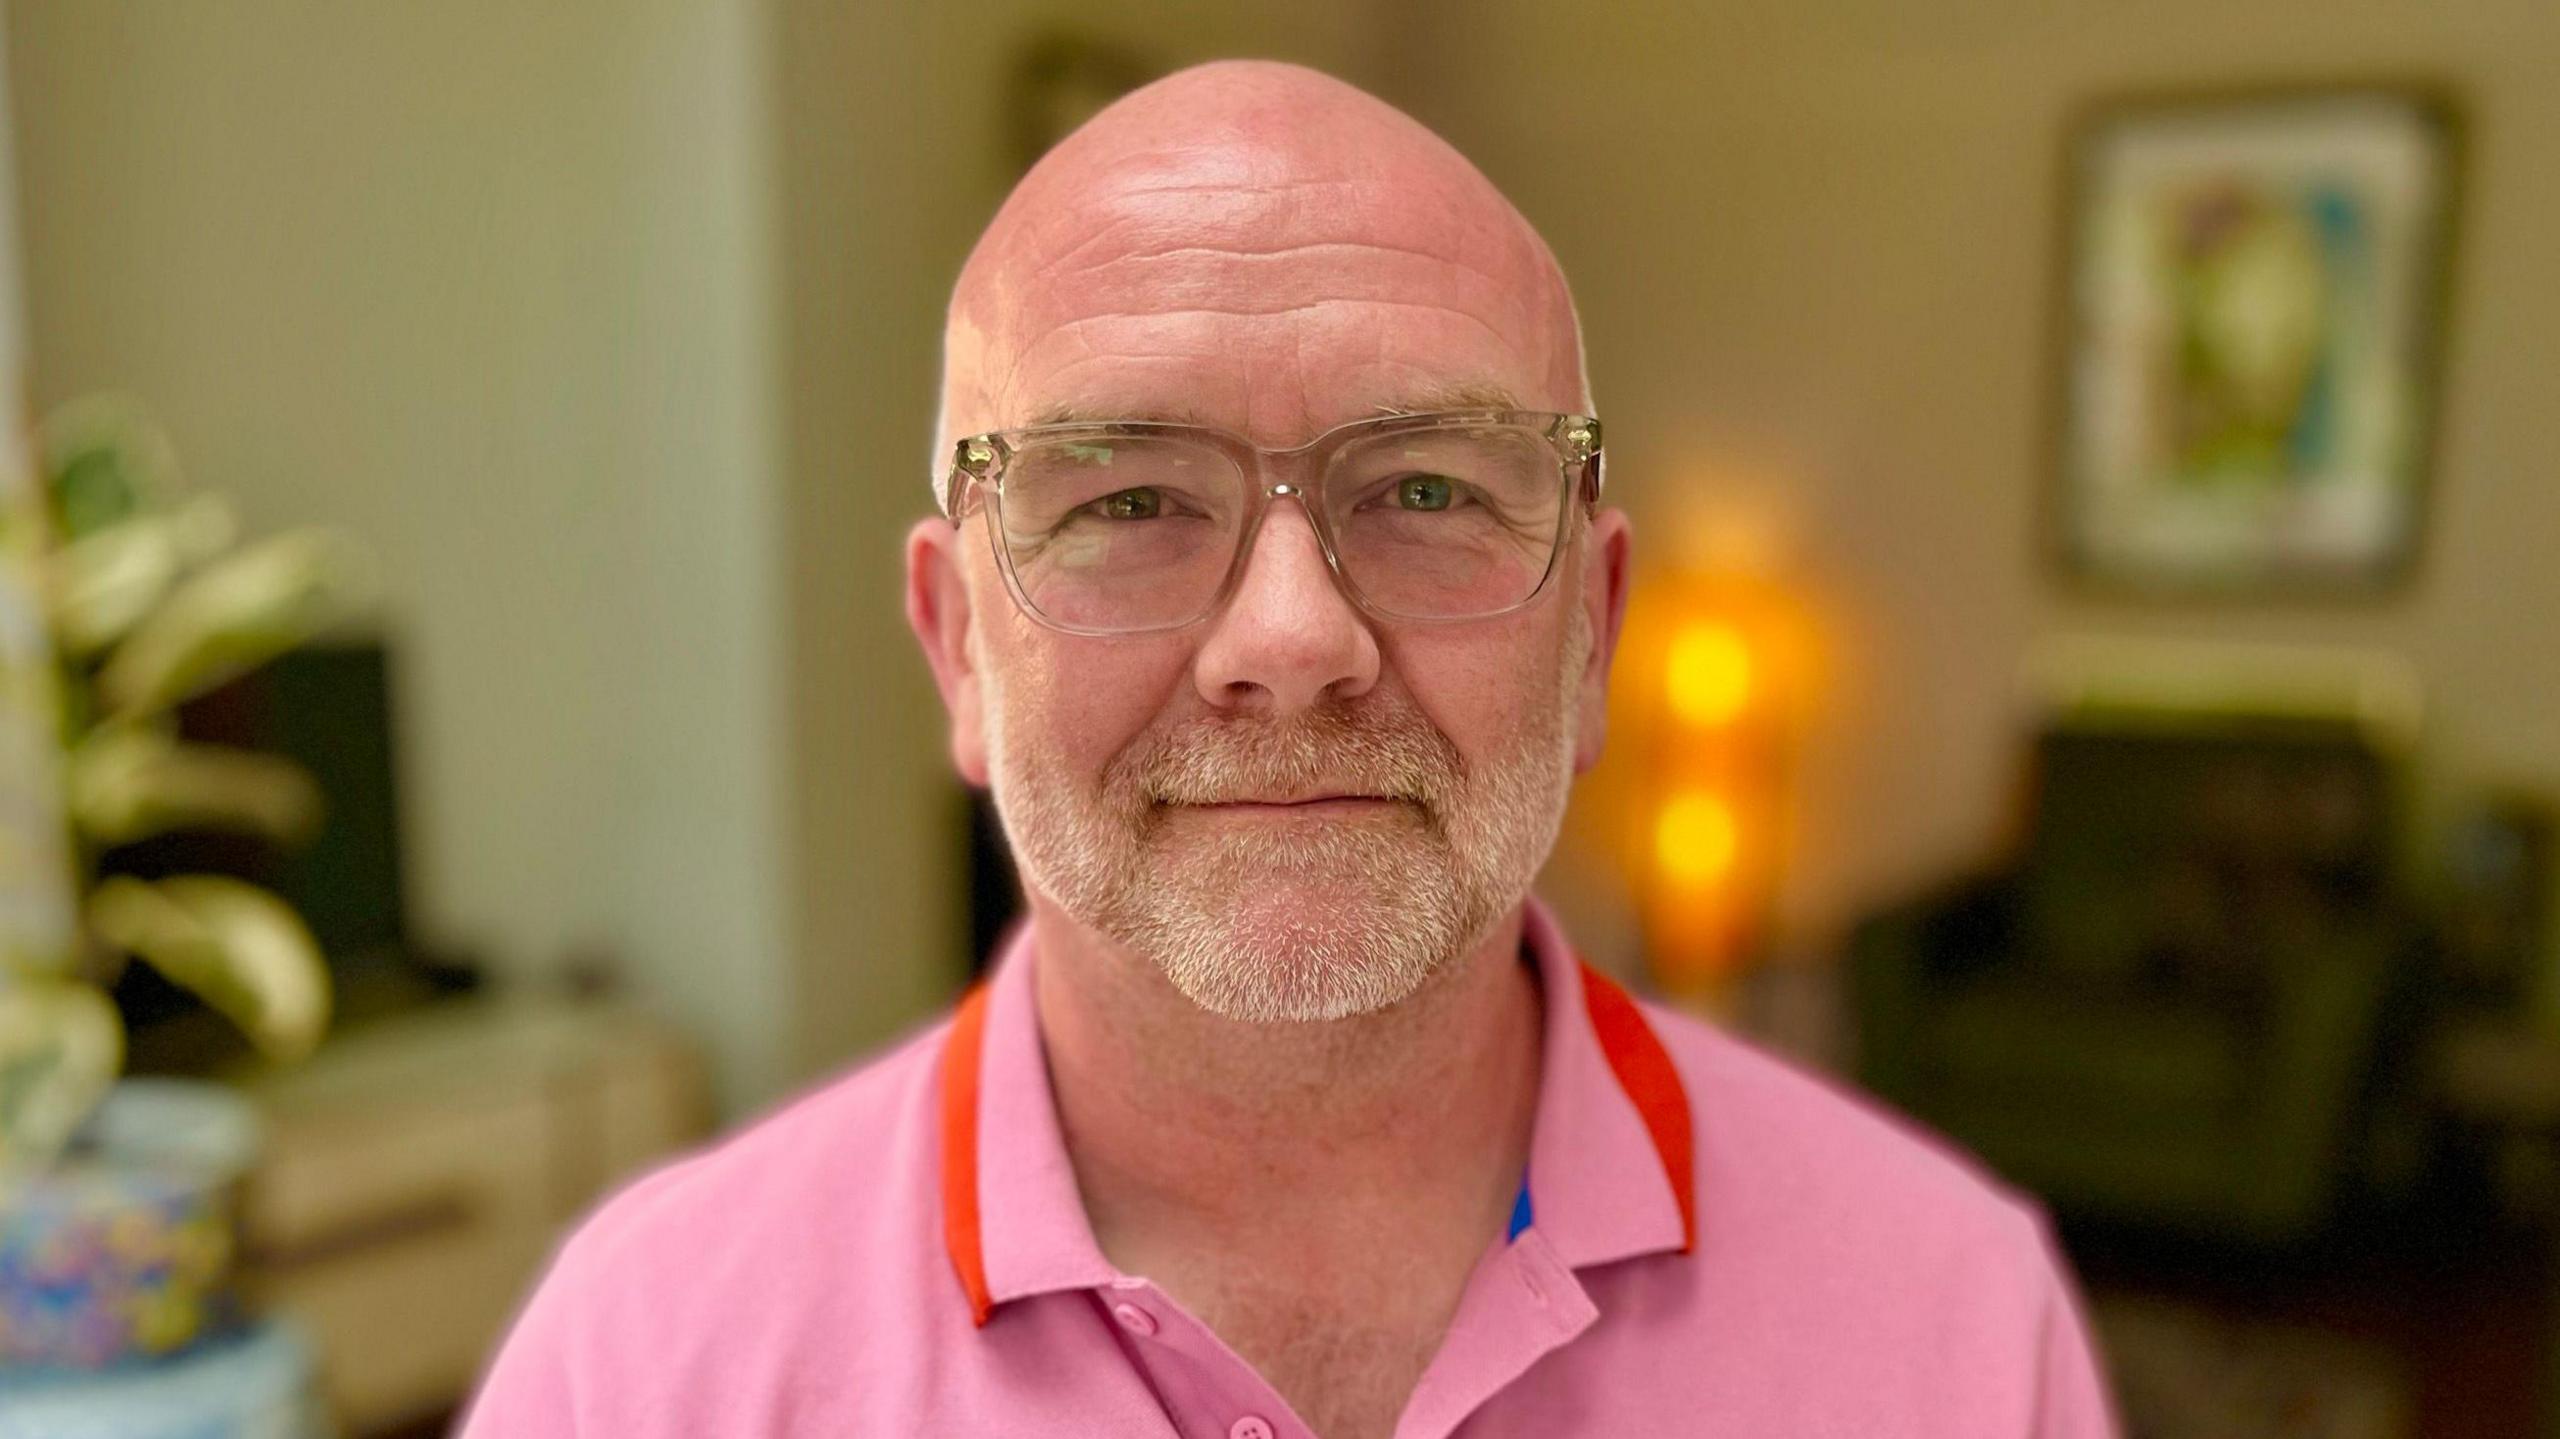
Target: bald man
{"points": [[1272, 595]]}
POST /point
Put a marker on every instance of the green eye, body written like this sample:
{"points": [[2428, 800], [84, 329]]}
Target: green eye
{"points": [[1424, 492], [1139, 504]]}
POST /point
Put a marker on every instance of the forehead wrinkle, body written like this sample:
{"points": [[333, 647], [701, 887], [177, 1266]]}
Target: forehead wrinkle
{"points": [[1430, 397], [1278, 251], [1262, 200], [1420, 221], [1319, 202], [1151, 291], [1203, 280], [1257, 259], [1273, 279], [1073, 327], [1134, 364], [1161, 335], [1164, 388]]}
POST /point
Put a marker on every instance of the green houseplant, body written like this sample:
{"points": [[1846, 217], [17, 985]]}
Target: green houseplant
{"points": [[114, 1226]]}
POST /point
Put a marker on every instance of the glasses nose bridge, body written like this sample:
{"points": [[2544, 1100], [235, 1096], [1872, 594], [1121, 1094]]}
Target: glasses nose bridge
{"points": [[1296, 473], [1297, 470]]}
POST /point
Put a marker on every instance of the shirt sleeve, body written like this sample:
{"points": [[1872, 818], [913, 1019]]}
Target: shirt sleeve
{"points": [[530, 1388]]}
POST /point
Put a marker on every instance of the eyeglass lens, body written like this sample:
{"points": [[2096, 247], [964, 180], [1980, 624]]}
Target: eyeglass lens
{"points": [[1140, 532]]}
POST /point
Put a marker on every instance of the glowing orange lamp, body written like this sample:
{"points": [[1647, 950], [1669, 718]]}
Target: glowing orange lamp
{"points": [[1709, 681]]}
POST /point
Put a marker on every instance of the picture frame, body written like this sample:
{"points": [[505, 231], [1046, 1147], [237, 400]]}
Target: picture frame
{"points": [[2251, 312]]}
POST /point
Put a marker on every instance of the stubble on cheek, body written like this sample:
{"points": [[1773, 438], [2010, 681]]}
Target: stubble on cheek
{"points": [[1268, 921]]}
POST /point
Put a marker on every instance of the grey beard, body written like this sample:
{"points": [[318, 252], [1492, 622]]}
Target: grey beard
{"points": [[1294, 924]]}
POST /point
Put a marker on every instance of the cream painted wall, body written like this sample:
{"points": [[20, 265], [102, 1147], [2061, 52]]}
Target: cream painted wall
{"points": [[489, 284], [1813, 246]]}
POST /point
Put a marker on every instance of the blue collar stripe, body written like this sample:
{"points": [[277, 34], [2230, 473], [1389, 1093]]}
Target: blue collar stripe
{"points": [[1523, 1213]]}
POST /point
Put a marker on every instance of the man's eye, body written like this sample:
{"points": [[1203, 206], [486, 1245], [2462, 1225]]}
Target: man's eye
{"points": [[1425, 492], [1138, 504]]}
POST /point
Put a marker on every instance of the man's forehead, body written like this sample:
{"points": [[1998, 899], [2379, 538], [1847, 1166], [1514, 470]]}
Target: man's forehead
{"points": [[1256, 157], [1291, 259], [1132, 281], [1152, 409], [1255, 195]]}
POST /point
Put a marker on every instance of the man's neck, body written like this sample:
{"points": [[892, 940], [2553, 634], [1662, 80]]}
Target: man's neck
{"points": [[1172, 1111]]}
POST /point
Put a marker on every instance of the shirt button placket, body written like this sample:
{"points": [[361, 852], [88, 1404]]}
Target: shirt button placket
{"points": [[1251, 1426]]}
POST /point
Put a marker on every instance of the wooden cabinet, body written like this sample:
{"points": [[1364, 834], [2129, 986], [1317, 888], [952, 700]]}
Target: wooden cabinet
{"points": [[418, 1174]]}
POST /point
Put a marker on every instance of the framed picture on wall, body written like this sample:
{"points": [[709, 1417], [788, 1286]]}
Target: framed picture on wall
{"points": [[2252, 310]]}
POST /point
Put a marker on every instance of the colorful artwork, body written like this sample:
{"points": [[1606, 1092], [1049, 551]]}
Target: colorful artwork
{"points": [[2252, 312]]}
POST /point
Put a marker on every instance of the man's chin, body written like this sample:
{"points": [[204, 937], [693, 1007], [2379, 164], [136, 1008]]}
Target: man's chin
{"points": [[1286, 949], [1288, 989]]}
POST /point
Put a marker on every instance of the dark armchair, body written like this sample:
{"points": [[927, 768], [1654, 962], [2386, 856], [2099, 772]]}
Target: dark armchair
{"points": [[2168, 1008]]}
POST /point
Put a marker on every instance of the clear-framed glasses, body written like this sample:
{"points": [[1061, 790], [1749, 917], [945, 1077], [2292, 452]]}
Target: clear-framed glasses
{"points": [[1126, 527]]}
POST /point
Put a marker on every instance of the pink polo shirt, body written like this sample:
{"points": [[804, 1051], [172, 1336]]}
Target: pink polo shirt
{"points": [[1709, 1241]]}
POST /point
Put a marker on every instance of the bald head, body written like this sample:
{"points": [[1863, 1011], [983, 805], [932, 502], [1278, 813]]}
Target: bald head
{"points": [[1257, 246]]}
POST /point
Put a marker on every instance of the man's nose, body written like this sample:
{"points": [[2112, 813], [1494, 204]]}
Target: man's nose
{"points": [[1287, 639]]}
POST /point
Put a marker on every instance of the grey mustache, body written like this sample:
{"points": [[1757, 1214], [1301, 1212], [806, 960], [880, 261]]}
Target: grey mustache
{"points": [[1399, 757]]}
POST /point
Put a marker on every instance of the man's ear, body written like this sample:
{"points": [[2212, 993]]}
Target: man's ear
{"points": [[938, 611], [1605, 578]]}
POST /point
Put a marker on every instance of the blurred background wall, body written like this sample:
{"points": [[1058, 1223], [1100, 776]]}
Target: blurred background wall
{"points": [[1815, 249], [493, 286]]}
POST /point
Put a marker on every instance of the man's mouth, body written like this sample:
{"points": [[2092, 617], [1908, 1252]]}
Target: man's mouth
{"points": [[1319, 805]]}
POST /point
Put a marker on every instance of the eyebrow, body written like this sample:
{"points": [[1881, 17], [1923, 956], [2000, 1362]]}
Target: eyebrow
{"points": [[1463, 395], [1075, 414]]}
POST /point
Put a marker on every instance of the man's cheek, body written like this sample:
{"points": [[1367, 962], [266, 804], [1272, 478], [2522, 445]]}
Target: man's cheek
{"points": [[1090, 739]]}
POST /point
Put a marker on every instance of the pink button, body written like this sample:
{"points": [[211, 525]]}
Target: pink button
{"points": [[1251, 1426], [1136, 1321]]}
